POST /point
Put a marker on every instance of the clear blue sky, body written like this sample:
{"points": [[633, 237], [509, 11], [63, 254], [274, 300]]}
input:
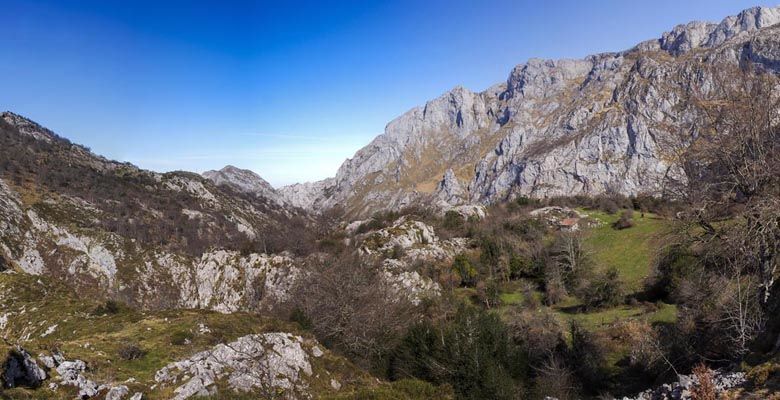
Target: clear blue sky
{"points": [[287, 89]]}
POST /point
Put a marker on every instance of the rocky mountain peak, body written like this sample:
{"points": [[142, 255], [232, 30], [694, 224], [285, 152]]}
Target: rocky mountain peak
{"points": [[536, 77], [245, 181], [698, 34], [306, 195]]}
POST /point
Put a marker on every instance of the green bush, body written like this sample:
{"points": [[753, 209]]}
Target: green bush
{"points": [[587, 358], [180, 338], [676, 265], [490, 251], [523, 201], [605, 290], [521, 267], [299, 316], [474, 353], [397, 252], [131, 351], [452, 220], [110, 307], [488, 293], [465, 270]]}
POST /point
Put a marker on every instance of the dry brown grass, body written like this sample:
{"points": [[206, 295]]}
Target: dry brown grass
{"points": [[705, 389]]}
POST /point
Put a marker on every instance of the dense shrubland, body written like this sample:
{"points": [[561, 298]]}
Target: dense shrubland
{"points": [[468, 339]]}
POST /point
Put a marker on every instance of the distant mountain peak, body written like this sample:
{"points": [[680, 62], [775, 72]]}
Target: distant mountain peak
{"points": [[245, 181], [700, 34]]}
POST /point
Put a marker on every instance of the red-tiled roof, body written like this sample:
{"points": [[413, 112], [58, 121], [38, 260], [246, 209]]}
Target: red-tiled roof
{"points": [[570, 221]]}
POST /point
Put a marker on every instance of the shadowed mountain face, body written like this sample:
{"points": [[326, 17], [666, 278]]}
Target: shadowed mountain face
{"points": [[555, 127]]}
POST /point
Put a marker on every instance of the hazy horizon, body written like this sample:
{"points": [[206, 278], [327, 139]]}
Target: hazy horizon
{"points": [[288, 91]]}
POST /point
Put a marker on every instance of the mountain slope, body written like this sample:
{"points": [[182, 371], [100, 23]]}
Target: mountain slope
{"points": [[554, 128], [156, 240], [79, 346]]}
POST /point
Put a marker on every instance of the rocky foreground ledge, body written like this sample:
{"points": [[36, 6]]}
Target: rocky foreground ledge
{"points": [[682, 389]]}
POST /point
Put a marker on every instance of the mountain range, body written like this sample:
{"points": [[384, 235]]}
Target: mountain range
{"points": [[227, 250], [554, 128]]}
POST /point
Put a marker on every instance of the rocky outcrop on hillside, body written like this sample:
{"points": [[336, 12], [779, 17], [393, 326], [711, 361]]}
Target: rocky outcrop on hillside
{"points": [[405, 245], [682, 389], [414, 241], [449, 190], [554, 128], [20, 369], [220, 280], [277, 365]]}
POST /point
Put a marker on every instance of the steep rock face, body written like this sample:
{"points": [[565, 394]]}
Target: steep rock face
{"points": [[245, 181], [556, 127], [449, 189], [306, 195]]}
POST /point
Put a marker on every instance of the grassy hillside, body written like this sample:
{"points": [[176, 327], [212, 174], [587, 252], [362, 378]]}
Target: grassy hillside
{"points": [[44, 316], [629, 250]]}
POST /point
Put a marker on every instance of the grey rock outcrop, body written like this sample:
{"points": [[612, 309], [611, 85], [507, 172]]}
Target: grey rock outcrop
{"points": [[450, 190], [221, 280], [271, 363], [306, 195], [117, 393], [682, 389], [20, 369], [72, 374], [403, 245]]}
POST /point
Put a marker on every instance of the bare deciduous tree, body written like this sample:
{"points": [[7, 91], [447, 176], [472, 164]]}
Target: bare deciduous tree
{"points": [[350, 305], [729, 154]]}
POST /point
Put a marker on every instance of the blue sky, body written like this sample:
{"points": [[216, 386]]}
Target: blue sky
{"points": [[287, 89]]}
